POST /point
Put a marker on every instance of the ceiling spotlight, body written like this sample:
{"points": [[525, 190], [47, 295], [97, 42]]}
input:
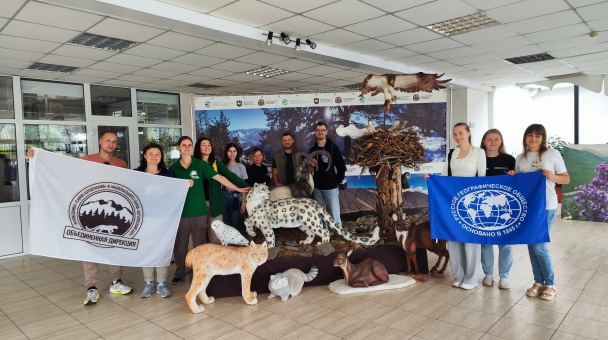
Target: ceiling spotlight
{"points": [[285, 39], [269, 39], [297, 48], [311, 44]]}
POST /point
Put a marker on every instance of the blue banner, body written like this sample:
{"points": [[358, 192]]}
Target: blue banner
{"points": [[489, 210]]}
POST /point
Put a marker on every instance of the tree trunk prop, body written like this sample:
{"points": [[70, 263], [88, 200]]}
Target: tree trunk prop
{"points": [[384, 153]]}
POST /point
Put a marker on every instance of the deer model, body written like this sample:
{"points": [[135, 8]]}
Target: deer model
{"points": [[369, 272], [304, 184], [419, 236]]}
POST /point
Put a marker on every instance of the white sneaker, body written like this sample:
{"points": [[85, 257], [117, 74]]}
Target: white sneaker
{"points": [[456, 284], [92, 296], [117, 287], [488, 280], [503, 283], [467, 286]]}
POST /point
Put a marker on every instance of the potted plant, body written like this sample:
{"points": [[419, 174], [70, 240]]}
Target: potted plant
{"points": [[558, 144]]}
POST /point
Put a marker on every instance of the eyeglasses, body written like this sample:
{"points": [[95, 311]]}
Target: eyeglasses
{"points": [[321, 130], [106, 163]]}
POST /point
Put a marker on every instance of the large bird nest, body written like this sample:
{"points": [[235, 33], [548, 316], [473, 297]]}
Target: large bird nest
{"points": [[395, 147]]}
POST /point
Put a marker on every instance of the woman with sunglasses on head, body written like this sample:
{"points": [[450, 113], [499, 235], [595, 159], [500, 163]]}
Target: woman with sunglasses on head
{"points": [[194, 215], [203, 150], [537, 156], [498, 162]]}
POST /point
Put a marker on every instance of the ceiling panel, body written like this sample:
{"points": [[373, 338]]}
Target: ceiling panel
{"points": [[436, 11], [56, 16], [558, 33], [175, 67], [114, 67], [10, 7], [262, 58], [83, 52], [39, 32], [138, 79], [599, 25], [293, 65], [580, 50], [121, 29], [454, 52], [15, 64], [189, 78], [25, 44], [150, 72], [344, 12], [489, 4], [156, 52], [180, 42], [434, 45], [525, 10], [471, 59], [98, 73], [488, 34], [199, 6], [298, 6], [410, 37], [20, 55], [593, 12], [241, 12], [392, 53], [67, 61], [198, 60], [567, 43], [336, 37], [383, 25], [518, 51], [298, 27], [545, 22], [133, 60], [415, 59], [503, 44], [82, 79], [321, 70], [211, 73], [395, 6], [366, 46], [220, 50], [294, 76], [234, 66], [40, 74]]}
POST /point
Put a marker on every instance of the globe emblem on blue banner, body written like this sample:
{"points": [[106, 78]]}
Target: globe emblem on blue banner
{"points": [[489, 209]]}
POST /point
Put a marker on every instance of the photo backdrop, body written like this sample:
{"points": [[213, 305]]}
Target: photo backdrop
{"points": [[586, 197], [260, 121]]}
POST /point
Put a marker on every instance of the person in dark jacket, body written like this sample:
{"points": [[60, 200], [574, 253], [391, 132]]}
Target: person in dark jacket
{"points": [[326, 182]]}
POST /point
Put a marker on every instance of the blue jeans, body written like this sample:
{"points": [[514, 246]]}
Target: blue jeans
{"points": [[505, 260], [330, 201], [542, 268], [231, 216]]}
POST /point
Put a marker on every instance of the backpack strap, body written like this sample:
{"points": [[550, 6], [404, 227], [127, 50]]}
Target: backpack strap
{"points": [[449, 162]]}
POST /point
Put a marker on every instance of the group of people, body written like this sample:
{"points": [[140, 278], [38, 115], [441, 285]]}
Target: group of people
{"points": [[491, 159], [217, 192]]}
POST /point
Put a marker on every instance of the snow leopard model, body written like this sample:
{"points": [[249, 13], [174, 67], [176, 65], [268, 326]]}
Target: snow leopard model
{"points": [[304, 213]]}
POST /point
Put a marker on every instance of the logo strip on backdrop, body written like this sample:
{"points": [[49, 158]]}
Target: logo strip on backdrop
{"points": [[489, 210]]}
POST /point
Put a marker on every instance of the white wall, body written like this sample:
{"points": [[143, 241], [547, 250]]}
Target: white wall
{"points": [[593, 117], [472, 107]]}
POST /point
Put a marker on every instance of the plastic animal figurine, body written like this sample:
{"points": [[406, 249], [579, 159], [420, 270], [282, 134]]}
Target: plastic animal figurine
{"points": [[209, 259], [290, 282], [303, 213], [419, 236], [368, 272], [227, 234]]}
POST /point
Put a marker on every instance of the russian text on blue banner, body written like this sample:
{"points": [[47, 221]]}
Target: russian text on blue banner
{"points": [[489, 210]]}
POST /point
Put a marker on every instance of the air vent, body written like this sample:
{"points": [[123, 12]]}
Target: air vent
{"points": [[202, 86], [266, 72], [530, 58], [569, 75], [464, 24], [52, 68], [102, 42]]}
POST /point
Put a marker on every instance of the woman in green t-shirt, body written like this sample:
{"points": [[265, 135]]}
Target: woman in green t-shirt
{"points": [[194, 214]]}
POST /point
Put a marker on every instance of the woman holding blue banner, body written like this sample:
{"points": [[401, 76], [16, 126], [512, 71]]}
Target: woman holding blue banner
{"points": [[498, 162], [537, 156], [464, 161]]}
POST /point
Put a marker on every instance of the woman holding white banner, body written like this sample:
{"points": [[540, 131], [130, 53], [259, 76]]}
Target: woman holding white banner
{"points": [[537, 156], [153, 162], [464, 161], [498, 162], [194, 214]]}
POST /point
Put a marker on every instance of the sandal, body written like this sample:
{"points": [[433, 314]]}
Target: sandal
{"points": [[535, 290], [549, 293]]}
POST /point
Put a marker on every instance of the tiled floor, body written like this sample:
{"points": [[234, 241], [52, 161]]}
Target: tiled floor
{"points": [[42, 298]]}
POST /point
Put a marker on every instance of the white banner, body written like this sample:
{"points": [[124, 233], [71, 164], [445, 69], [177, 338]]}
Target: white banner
{"points": [[87, 211]]}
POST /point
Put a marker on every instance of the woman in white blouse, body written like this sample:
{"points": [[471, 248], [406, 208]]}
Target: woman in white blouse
{"points": [[465, 161]]}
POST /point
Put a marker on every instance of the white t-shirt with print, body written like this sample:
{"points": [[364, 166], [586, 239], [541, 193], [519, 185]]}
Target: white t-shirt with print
{"points": [[551, 160]]}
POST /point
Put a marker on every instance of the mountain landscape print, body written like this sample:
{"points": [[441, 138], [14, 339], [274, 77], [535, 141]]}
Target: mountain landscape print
{"points": [[105, 216]]}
